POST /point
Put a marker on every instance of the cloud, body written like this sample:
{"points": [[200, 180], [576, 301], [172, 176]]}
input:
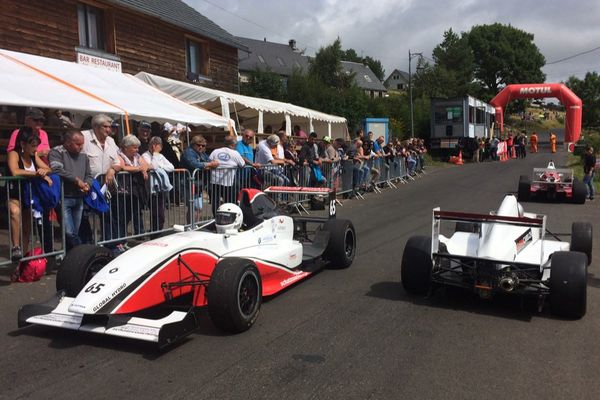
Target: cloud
{"points": [[387, 29]]}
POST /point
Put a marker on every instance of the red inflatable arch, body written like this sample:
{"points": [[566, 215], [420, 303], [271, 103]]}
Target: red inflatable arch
{"points": [[571, 102]]}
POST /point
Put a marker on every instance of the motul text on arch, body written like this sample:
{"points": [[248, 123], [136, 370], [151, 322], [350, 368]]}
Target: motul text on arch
{"points": [[536, 90]]}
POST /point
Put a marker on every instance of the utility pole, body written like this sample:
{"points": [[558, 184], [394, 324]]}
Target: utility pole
{"points": [[412, 122]]}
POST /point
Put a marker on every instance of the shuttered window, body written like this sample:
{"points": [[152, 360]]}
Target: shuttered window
{"points": [[197, 59], [91, 27]]}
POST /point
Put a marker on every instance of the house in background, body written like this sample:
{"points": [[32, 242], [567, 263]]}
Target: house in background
{"points": [[163, 37], [279, 58], [365, 79], [283, 59], [398, 80]]}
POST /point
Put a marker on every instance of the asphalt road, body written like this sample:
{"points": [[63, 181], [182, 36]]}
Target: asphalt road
{"points": [[349, 334]]}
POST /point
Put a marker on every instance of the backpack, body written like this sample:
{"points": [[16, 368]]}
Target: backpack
{"points": [[31, 270]]}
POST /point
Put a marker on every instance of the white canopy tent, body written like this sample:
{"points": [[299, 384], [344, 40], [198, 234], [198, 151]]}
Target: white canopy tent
{"points": [[122, 92], [255, 112], [23, 86]]}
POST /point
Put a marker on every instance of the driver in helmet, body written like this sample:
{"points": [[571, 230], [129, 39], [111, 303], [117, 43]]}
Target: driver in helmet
{"points": [[229, 218]]}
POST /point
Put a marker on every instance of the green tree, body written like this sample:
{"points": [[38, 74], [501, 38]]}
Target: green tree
{"points": [[504, 55], [454, 61], [351, 55], [308, 91], [588, 91], [451, 75], [327, 67], [376, 67], [264, 83]]}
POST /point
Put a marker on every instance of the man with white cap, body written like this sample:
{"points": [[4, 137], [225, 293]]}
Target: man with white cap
{"points": [[331, 154], [264, 156]]}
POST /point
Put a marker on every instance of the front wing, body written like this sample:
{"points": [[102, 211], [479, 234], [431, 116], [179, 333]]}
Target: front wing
{"points": [[55, 313]]}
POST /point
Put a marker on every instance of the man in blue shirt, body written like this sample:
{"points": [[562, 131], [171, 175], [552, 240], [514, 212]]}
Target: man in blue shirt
{"points": [[245, 149]]}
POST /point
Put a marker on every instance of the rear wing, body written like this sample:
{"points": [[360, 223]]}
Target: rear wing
{"points": [[535, 222], [542, 175], [293, 190]]}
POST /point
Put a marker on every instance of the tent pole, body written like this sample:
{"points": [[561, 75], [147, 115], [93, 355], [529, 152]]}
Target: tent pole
{"points": [[260, 128], [236, 116]]}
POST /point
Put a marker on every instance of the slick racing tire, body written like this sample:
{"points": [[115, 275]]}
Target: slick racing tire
{"points": [[341, 249], [568, 284], [234, 295], [579, 192], [582, 238], [416, 265], [79, 266], [524, 192]]}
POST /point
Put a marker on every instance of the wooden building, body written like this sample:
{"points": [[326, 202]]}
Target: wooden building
{"points": [[163, 37]]}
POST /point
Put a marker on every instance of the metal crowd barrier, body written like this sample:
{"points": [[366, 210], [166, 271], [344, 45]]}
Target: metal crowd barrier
{"points": [[35, 230], [141, 208]]}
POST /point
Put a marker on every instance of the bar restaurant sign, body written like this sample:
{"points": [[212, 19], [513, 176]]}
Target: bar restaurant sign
{"points": [[98, 62]]}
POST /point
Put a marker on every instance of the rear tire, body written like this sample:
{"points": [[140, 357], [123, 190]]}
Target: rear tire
{"points": [[568, 284], [341, 248], [524, 192], [416, 265], [579, 192], [582, 239], [234, 295], [79, 266]]}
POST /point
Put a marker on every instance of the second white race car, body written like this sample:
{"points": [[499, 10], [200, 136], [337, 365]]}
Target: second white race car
{"points": [[505, 251]]}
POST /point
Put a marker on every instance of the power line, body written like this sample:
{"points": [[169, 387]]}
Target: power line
{"points": [[247, 20], [238, 16], [573, 56]]}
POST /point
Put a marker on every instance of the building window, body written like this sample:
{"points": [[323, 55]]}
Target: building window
{"points": [[261, 59], [280, 61], [197, 59], [91, 27]]}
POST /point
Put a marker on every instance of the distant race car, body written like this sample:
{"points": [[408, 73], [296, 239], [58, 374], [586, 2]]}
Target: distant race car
{"points": [[153, 291], [551, 184], [505, 251]]}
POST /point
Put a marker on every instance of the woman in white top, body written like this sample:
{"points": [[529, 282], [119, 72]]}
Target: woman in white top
{"points": [[153, 156], [159, 181], [132, 193]]}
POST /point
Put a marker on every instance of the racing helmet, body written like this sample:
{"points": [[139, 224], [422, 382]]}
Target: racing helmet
{"points": [[229, 218]]}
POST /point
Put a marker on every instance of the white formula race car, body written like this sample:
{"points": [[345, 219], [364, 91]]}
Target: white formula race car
{"points": [[552, 184], [505, 251], [153, 291]]}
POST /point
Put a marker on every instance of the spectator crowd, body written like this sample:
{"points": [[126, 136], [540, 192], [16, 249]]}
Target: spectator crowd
{"points": [[118, 179]]}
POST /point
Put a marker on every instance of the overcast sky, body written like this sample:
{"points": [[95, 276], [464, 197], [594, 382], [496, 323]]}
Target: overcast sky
{"points": [[387, 29]]}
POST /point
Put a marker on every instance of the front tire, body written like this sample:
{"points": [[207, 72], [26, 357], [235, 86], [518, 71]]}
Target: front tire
{"points": [[234, 295], [568, 284], [79, 266], [417, 265], [524, 192], [582, 239], [579, 192], [341, 248]]}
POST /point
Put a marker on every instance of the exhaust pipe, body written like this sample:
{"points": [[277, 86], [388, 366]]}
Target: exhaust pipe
{"points": [[508, 283]]}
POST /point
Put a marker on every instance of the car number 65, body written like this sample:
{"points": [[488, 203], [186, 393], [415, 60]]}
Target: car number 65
{"points": [[94, 288]]}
